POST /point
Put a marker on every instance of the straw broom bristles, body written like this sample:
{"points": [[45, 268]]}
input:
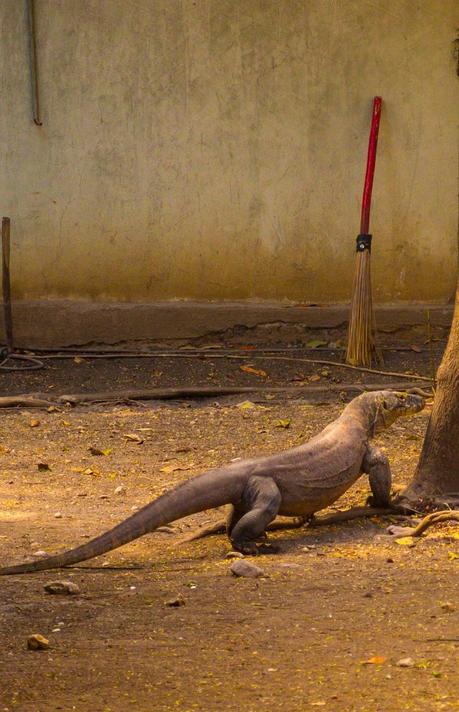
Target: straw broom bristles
{"points": [[361, 335]]}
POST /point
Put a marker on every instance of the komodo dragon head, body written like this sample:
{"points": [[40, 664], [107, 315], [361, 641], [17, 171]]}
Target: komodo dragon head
{"points": [[391, 405]]}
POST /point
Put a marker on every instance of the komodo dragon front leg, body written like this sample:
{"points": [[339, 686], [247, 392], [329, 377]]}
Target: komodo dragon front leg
{"points": [[249, 518], [376, 465]]}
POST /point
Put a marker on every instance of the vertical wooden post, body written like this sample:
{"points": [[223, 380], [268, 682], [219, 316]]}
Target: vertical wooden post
{"points": [[6, 284]]}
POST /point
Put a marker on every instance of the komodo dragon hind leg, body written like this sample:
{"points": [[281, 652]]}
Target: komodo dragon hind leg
{"points": [[258, 507], [376, 465]]}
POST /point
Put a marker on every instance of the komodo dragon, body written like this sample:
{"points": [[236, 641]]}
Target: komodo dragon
{"points": [[296, 482]]}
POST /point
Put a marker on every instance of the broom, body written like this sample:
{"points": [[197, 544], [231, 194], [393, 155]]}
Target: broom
{"points": [[361, 335]]}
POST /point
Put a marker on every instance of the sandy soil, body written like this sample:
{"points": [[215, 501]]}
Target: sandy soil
{"points": [[338, 608]]}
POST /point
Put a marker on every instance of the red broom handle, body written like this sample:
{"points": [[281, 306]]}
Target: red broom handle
{"points": [[371, 160]]}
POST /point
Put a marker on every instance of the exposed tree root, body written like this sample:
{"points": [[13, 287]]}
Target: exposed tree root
{"points": [[38, 400], [445, 515], [219, 526]]}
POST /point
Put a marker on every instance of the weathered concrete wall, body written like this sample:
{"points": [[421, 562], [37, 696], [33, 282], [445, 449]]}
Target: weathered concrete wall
{"points": [[215, 149]]}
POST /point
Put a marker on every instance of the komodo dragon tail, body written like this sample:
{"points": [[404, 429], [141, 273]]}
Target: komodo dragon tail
{"points": [[211, 489]]}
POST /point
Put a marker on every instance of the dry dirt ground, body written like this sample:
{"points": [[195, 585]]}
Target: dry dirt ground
{"points": [[325, 628]]}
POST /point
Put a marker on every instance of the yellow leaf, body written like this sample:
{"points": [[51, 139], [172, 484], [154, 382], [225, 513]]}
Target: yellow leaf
{"points": [[96, 451], [375, 660], [315, 343], [78, 359], [246, 405], [254, 371], [452, 556], [282, 423], [406, 541]]}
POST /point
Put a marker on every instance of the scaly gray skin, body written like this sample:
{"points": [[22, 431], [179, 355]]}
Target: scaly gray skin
{"points": [[297, 482]]}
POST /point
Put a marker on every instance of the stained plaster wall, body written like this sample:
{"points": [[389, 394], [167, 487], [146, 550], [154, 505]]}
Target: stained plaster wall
{"points": [[215, 149]]}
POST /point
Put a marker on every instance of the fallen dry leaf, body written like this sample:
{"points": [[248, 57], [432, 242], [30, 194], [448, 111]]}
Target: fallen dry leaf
{"points": [[282, 423], [375, 660], [133, 437], [406, 541], [255, 371], [174, 468], [97, 452], [315, 343], [246, 405]]}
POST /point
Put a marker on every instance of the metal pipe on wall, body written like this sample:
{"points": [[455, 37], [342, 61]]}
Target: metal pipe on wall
{"points": [[33, 62]]}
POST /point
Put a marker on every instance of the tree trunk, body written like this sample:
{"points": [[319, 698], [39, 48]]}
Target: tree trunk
{"points": [[437, 473]]}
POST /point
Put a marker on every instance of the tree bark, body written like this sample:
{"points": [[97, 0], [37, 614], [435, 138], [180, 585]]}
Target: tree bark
{"points": [[437, 473]]}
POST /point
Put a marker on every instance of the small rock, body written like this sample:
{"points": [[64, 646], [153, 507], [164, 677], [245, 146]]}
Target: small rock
{"points": [[40, 553], [120, 490], [448, 607], [405, 662], [37, 642], [58, 515], [134, 508], [175, 602], [397, 531], [62, 588], [244, 568], [234, 555], [166, 530]]}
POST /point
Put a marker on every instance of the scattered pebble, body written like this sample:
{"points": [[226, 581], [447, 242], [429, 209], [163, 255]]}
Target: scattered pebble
{"points": [[58, 515], [234, 555], [244, 568], [120, 490], [175, 602], [37, 642], [62, 588], [166, 529], [40, 553], [405, 662], [448, 607]]}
